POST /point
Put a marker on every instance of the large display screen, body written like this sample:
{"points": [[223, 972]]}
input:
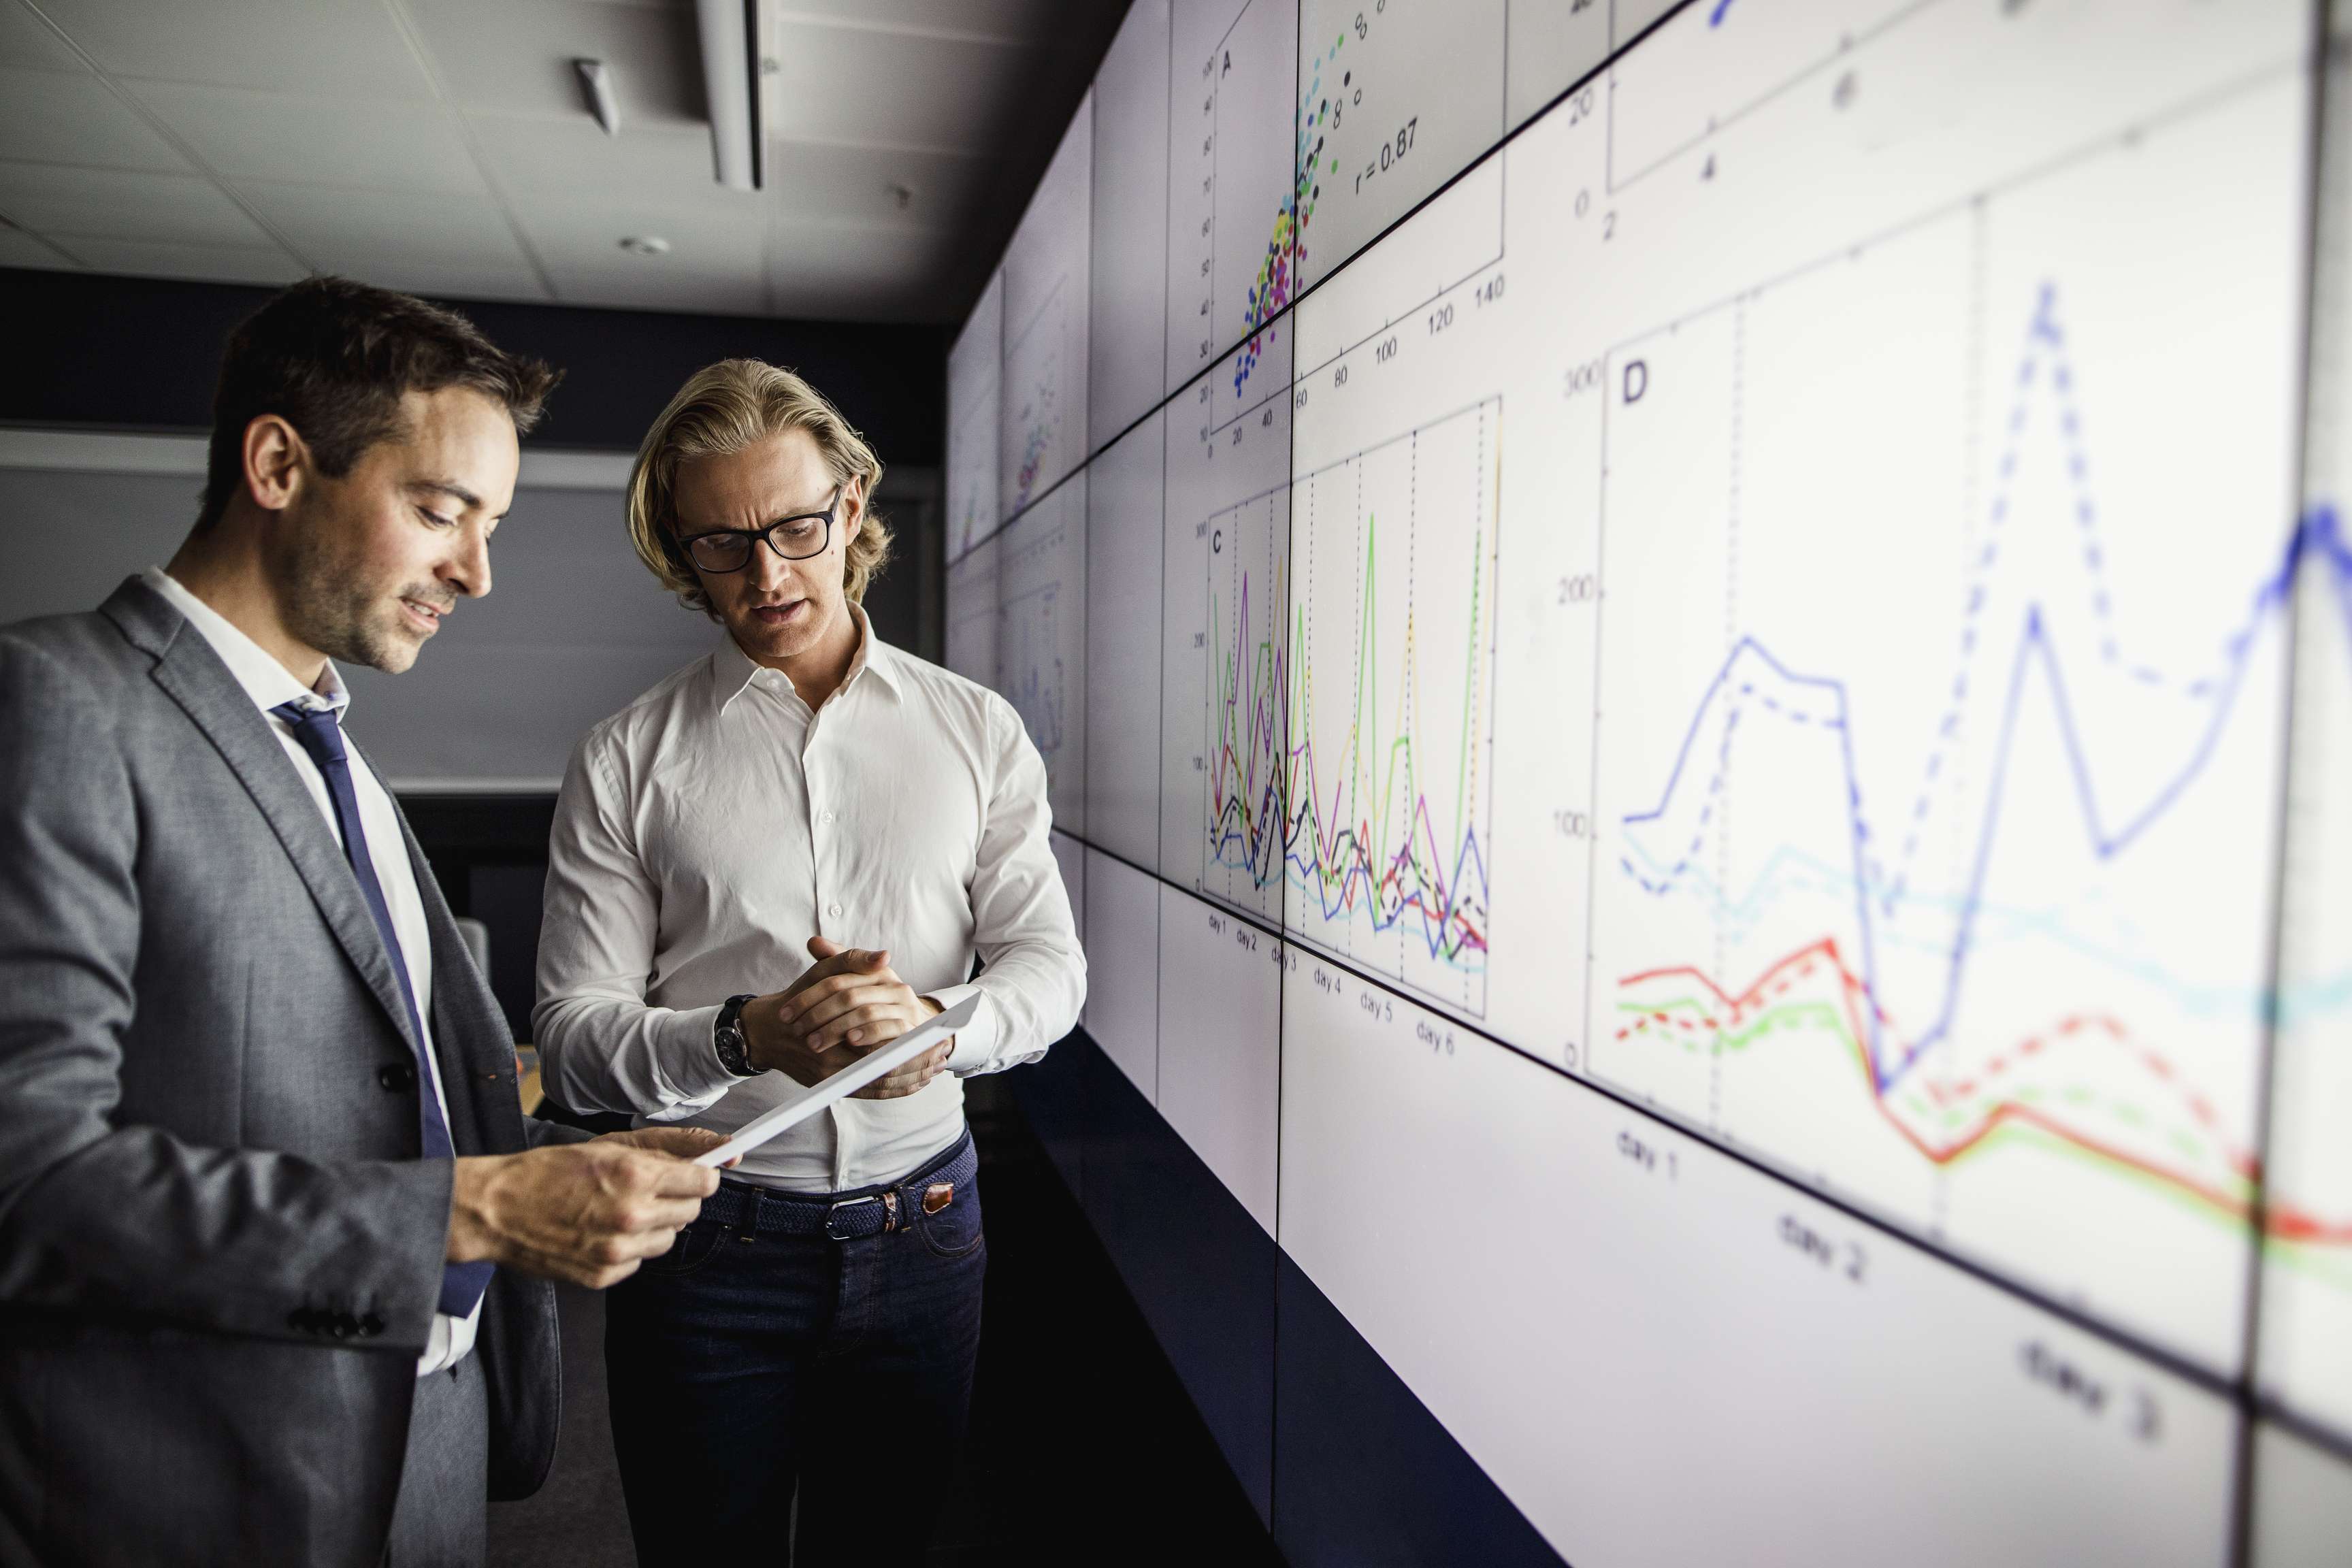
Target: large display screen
{"points": [[1734, 636]]}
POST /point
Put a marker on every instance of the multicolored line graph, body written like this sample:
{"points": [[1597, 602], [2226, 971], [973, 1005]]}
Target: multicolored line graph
{"points": [[1250, 704], [1370, 846], [2092, 1082], [1367, 804]]}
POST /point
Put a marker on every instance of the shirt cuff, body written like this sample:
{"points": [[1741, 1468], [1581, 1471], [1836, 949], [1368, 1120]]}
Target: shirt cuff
{"points": [[975, 1043], [690, 1061]]}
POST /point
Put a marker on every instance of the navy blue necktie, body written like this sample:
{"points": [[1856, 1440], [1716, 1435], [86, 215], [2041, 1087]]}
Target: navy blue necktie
{"points": [[462, 1284]]}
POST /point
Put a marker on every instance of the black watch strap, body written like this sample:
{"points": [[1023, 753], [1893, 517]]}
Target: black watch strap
{"points": [[727, 1037]]}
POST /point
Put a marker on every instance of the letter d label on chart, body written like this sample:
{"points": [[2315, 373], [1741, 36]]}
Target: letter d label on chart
{"points": [[1637, 379]]}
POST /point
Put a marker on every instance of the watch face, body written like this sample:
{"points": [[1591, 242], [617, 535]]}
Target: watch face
{"points": [[728, 1038]]}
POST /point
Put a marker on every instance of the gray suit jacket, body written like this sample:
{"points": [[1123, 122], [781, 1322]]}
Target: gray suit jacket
{"points": [[220, 1250]]}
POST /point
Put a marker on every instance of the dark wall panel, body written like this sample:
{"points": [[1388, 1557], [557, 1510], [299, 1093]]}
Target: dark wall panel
{"points": [[140, 355], [1053, 1099], [1365, 1477], [1196, 1262]]}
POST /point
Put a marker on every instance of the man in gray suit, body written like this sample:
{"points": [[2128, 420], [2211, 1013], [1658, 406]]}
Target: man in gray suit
{"points": [[268, 1211]]}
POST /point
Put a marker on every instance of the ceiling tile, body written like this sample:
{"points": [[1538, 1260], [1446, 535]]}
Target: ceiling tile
{"points": [[821, 180], [215, 264], [574, 159], [23, 41], [1030, 20], [18, 248], [839, 84], [354, 231], [378, 144], [712, 236], [340, 47], [815, 181], [61, 117], [515, 56], [112, 204]]}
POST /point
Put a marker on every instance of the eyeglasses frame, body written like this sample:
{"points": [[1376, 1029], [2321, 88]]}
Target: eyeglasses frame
{"points": [[763, 536]]}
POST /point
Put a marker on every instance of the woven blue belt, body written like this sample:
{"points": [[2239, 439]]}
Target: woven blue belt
{"points": [[944, 1179]]}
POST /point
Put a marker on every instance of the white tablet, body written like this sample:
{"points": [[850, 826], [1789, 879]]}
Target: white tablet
{"points": [[814, 1098]]}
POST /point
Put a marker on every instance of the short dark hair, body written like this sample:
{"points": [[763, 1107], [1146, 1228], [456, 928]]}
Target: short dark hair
{"points": [[332, 358]]}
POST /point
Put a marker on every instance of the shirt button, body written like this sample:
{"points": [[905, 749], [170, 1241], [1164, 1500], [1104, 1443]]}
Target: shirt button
{"points": [[833, 909], [825, 817]]}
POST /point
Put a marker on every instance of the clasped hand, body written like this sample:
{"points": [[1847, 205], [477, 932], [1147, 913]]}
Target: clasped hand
{"points": [[849, 1002]]}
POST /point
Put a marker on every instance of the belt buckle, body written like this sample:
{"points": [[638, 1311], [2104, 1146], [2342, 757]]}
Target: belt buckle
{"points": [[833, 1234]]}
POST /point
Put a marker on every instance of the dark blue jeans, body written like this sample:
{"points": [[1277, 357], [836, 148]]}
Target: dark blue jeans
{"points": [[746, 1360]]}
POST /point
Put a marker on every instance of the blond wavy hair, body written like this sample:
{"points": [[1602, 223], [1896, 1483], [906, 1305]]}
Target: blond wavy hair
{"points": [[720, 410]]}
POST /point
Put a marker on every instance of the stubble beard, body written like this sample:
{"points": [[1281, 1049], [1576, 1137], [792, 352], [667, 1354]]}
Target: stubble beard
{"points": [[328, 603]]}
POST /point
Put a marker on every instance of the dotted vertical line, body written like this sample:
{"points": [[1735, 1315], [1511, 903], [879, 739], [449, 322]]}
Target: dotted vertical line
{"points": [[1470, 695], [1411, 671], [1730, 641], [1940, 1187], [1283, 659], [1237, 686], [1355, 714], [1266, 856], [1306, 807]]}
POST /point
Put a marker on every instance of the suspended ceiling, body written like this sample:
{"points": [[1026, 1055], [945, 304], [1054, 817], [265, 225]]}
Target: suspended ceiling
{"points": [[446, 147]]}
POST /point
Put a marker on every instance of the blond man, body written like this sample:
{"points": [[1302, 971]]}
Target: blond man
{"points": [[790, 852]]}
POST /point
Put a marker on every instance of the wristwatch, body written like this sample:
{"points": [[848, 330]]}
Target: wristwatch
{"points": [[727, 1038]]}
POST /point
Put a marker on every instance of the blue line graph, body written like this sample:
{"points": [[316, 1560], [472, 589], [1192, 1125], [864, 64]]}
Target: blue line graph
{"points": [[1753, 676]]}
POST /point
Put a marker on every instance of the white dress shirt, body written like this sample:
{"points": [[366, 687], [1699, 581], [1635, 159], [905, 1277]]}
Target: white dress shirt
{"points": [[270, 683], [709, 829]]}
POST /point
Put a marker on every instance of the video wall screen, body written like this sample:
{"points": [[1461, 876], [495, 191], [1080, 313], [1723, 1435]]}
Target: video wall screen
{"points": [[1731, 626]]}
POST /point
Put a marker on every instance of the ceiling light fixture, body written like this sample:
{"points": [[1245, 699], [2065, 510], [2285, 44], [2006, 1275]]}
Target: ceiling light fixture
{"points": [[731, 43], [645, 245], [596, 81]]}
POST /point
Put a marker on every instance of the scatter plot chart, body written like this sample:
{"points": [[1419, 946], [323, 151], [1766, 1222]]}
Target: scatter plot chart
{"points": [[1234, 193], [1394, 102]]}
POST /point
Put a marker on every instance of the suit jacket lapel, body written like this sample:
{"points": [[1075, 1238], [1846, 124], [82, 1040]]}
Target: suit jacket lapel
{"points": [[469, 1029], [195, 678]]}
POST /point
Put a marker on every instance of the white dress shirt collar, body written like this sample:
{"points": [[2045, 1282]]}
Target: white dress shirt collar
{"points": [[266, 681], [733, 669]]}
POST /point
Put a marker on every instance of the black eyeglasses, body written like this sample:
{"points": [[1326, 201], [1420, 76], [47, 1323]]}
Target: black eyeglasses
{"points": [[794, 538]]}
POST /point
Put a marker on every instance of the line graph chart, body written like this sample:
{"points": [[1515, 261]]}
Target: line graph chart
{"points": [[1247, 721], [1390, 773], [1892, 898]]}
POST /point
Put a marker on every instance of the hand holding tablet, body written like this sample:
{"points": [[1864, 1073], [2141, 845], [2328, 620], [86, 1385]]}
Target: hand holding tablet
{"points": [[814, 1098]]}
